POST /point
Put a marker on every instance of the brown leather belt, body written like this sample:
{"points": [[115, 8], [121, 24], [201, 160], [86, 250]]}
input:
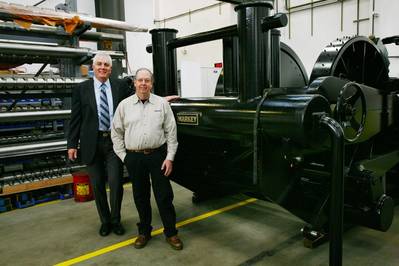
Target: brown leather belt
{"points": [[145, 151]]}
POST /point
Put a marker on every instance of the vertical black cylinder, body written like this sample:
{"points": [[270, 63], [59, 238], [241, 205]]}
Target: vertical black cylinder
{"points": [[164, 60], [275, 58], [230, 66], [254, 46]]}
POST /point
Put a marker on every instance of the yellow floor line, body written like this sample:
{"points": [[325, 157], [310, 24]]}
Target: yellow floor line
{"points": [[153, 233], [46, 203]]}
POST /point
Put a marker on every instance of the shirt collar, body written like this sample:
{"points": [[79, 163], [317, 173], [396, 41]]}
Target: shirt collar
{"points": [[98, 83], [136, 99]]}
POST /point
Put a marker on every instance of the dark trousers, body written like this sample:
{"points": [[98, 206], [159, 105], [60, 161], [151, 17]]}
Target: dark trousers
{"points": [[107, 164], [139, 166]]}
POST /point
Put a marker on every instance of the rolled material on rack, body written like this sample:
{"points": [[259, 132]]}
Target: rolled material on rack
{"points": [[27, 15], [9, 27]]}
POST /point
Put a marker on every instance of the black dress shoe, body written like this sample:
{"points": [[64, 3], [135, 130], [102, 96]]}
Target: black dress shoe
{"points": [[105, 229], [118, 229]]}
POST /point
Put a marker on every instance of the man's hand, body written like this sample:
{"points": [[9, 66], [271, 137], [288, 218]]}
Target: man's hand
{"points": [[167, 165], [171, 98], [72, 154]]}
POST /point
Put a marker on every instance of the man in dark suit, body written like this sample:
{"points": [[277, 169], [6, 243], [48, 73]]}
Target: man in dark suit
{"points": [[93, 104]]}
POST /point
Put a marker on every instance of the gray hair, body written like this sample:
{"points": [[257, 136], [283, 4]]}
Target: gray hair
{"points": [[102, 55], [144, 69]]}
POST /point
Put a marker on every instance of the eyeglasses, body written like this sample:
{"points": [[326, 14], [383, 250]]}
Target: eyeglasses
{"points": [[143, 80]]}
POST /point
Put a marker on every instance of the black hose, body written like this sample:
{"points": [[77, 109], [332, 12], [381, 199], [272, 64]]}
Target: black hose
{"points": [[256, 130]]}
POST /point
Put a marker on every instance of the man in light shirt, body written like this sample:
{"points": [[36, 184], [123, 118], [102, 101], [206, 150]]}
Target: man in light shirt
{"points": [[144, 136]]}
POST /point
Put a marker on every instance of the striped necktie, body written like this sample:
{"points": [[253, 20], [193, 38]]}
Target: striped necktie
{"points": [[105, 120]]}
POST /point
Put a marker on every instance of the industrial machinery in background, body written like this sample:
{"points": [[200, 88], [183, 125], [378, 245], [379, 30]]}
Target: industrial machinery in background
{"points": [[35, 108], [325, 148]]}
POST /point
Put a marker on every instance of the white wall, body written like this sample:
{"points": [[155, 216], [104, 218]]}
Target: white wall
{"points": [[139, 13], [87, 7], [83, 6], [387, 25], [326, 26], [168, 8], [214, 15], [47, 4]]}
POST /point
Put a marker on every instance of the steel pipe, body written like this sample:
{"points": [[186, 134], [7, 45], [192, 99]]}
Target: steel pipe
{"points": [[99, 36], [203, 37], [19, 49], [32, 149], [34, 116], [337, 189]]}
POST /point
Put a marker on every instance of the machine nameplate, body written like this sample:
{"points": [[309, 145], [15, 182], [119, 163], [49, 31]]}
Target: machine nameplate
{"points": [[185, 118]]}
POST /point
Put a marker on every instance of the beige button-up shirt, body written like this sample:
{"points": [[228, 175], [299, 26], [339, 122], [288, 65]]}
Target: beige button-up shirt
{"points": [[138, 126]]}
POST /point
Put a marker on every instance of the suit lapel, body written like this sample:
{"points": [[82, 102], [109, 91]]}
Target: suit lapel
{"points": [[92, 96], [115, 96]]}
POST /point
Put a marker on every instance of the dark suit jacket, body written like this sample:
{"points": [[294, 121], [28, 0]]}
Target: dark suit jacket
{"points": [[84, 118]]}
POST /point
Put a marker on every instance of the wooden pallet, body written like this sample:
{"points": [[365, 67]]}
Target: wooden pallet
{"points": [[8, 190]]}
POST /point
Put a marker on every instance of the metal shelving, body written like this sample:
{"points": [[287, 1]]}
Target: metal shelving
{"points": [[35, 107]]}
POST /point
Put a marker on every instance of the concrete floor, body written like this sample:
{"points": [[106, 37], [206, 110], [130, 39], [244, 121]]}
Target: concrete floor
{"points": [[257, 233]]}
